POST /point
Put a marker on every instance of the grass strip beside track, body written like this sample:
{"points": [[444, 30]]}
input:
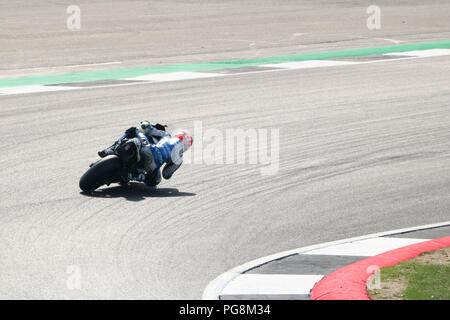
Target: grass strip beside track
{"points": [[426, 277]]}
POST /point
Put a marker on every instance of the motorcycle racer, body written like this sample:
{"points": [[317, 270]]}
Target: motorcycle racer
{"points": [[157, 149]]}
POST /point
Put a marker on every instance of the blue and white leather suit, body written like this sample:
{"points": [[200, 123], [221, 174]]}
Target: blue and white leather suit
{"points": [[158, 149]]}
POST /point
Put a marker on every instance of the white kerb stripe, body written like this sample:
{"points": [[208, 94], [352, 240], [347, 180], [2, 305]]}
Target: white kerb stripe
{"points": [[422, 53], [365, 248], [271, 284], [309, 64], [33, 89], [173, 76]]}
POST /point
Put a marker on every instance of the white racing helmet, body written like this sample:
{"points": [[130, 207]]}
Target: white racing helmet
{"points": [[185, 137]]}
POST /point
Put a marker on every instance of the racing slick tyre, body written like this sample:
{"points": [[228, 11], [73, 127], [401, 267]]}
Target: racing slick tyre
{"points": [[104, 171]]}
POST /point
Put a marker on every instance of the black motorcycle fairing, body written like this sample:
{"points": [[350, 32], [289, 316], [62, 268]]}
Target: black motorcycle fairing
{"points": [[129, 155]]}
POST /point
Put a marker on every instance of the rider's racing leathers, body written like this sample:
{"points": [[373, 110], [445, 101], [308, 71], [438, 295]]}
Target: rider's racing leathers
{"points": [[157, 148]]}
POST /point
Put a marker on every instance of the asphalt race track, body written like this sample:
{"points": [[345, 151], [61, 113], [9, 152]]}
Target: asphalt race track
{"points": [[363, 148]]}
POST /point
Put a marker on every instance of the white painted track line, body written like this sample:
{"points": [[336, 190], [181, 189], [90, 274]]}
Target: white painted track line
{"points": [[173, 76], [309, 64], [34, 89], [422, 53], [271, 284], [365, 248]]}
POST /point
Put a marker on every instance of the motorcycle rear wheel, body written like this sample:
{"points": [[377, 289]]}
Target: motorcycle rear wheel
{"points": [[105, 171]]}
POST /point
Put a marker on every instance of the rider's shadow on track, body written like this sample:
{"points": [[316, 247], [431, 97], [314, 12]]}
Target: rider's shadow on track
{"points": [[137, 192]]}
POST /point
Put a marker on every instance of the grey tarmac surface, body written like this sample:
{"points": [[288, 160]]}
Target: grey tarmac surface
{"points": [[34, 37], [363, 149]]}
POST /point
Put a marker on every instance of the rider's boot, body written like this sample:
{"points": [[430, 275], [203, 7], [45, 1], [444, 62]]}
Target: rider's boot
{"points": [[152, 179]]}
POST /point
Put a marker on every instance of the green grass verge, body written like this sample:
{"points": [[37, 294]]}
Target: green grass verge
{"points": [[416, 279]]}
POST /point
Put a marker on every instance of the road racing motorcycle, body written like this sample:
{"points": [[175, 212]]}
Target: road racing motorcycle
{"points": [[124, 166]]}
